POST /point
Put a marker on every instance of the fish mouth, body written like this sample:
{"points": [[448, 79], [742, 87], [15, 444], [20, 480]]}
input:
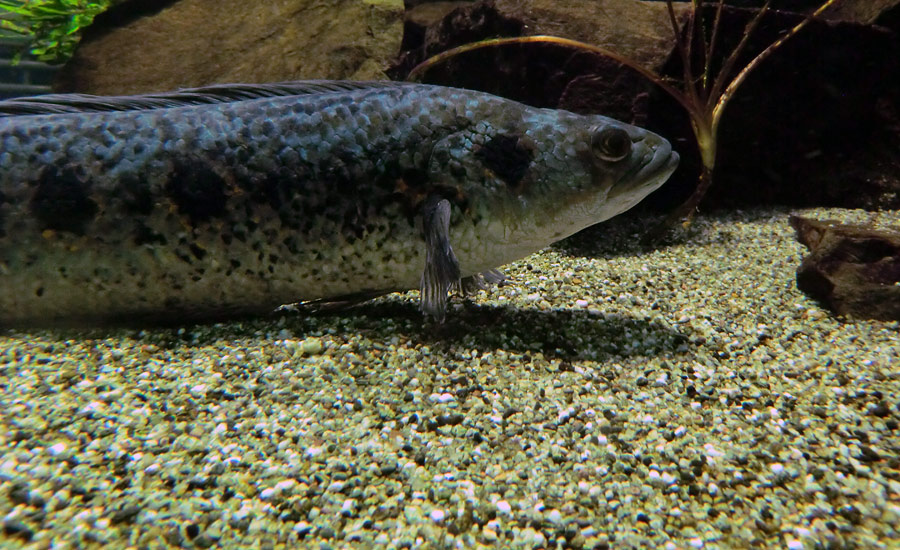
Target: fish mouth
{"points": [[652, 164], [656, 169]]}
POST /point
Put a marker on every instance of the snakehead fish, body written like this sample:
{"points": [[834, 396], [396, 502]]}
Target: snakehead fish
{"points": [[234, 199]]}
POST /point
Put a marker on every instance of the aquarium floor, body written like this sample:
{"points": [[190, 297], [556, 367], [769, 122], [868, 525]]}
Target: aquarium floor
{"points": [[610, 396]]}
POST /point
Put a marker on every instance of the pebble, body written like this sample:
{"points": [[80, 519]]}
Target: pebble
{"points": [[638, 407]]}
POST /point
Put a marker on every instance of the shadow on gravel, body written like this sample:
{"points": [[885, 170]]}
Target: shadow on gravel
{"points": [[563, 334], [627, 234]]}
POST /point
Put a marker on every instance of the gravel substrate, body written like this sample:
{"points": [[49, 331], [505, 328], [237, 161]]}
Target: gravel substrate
{"points": [[611, 396]]}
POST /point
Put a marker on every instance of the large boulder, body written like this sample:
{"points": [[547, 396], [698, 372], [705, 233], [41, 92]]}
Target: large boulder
{"points": [[145, 46], [854, 270]]}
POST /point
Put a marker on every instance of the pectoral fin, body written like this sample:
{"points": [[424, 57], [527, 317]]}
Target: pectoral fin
{"points": [[480, 281], [441, 266]]}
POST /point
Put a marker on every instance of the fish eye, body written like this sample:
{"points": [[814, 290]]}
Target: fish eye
{"points": [[611, 144]]}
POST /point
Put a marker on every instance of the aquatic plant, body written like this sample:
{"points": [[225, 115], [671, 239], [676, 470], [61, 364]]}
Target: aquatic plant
{"points": [[703, 93], [52, 26]]}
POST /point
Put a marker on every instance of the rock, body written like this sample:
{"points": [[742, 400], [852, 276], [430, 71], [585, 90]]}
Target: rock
{"points": [[541, 74], [860, 11], [852, 269], [144, 45]]}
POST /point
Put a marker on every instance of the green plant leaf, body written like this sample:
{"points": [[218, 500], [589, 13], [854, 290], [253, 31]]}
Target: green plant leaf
{"points": [[10, 26], [54, 25]]}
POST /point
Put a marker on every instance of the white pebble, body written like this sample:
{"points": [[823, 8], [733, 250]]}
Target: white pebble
{"points": [[777, 468], [313, 452], [93, 406], [696, 542], [56, 450], [795, 545], [442, 397], [267, 493], [282, 486], [503, 507], [301, 526], [437, 516]]}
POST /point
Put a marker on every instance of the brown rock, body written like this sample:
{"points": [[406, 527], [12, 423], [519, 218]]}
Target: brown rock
{"points": [[854, 270], [540, 74], [637, 29], [860, 11], [196, 42]]}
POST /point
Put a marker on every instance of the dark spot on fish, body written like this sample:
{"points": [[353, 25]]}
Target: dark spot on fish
{"points": [[507, 156], [291, 244], [136, 196], [197, 251], [409, 187], [62, 200], [336, 172], [39, 292], [353, 223], [279, 191], [183, 256], [197, 190], [145, 235]]}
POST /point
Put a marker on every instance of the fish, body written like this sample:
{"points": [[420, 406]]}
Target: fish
{"points": [[234, 199]]}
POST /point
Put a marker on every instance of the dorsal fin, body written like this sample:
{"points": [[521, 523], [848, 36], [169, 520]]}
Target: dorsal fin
{"points": [[216, 93]]}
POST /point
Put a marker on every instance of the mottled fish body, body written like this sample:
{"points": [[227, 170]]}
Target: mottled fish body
{"points": [[236, 199]]}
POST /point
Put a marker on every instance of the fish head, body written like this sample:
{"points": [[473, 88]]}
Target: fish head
{"points": [[573, 171], [628, 163], [587, 169], [523, 178]]}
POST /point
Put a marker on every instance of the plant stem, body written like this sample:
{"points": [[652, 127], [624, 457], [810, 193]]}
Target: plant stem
{"points": [[728, 93]]}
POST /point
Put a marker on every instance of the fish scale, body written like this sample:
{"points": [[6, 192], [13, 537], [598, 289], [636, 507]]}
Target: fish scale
{"points": [[235, 199]]}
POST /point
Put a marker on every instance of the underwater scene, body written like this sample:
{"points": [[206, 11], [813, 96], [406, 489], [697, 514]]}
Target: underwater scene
{"points": [[556, 274]]}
